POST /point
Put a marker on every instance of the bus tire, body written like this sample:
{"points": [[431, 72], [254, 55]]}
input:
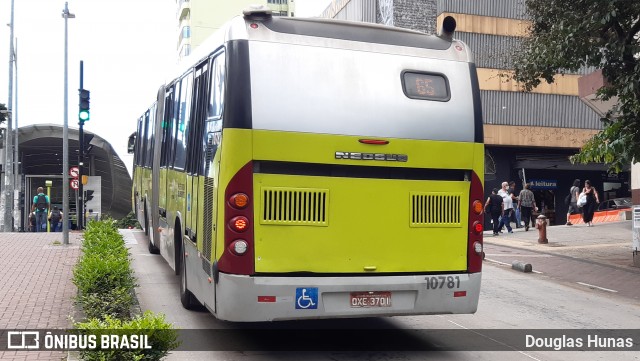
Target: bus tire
{"points": [[187, 298], [149, 232]]}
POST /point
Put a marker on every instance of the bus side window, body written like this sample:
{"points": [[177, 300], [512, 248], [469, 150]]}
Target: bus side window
{"points": [[184, 117], [213, 135], [216, 100]]}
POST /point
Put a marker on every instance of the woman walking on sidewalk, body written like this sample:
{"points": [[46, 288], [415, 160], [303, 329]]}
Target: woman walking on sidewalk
{"points": [[592, 200]]}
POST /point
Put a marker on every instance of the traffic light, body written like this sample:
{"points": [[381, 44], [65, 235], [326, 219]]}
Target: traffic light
{"points": [[88, 195], [83, 114]]}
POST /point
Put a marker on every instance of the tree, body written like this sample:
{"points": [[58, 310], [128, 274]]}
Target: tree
{"points": [[604, 34], [3, 115]]}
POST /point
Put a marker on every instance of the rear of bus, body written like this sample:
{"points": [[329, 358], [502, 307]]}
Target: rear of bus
{"points": [[362, 158]]}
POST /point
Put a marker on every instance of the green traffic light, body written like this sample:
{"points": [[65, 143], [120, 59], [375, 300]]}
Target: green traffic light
{"points": [[84, 115]]}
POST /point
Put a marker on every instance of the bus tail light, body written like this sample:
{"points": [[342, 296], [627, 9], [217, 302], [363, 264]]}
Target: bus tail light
{"points": [[239, 224], [239, 247], [239, 200], [478, 207], [477, 247], [238, 256], [476, 225]]}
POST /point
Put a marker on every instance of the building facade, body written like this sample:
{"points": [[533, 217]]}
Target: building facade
{"points": [[197, 19], [528, 136]]}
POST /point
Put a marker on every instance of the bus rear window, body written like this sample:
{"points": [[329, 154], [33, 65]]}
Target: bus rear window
{"points": [[426, 86]]}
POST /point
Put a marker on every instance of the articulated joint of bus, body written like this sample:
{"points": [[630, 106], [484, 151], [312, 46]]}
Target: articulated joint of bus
{"points": [[238, 255], [476, 225]]}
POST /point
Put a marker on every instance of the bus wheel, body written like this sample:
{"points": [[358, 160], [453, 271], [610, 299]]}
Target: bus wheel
{"points": [[187, 298]]}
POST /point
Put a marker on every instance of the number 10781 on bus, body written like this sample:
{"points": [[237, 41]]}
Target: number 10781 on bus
{"points": [[436, 282]]}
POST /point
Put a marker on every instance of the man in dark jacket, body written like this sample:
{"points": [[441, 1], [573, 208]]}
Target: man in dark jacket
{"points": [[493, 206]]}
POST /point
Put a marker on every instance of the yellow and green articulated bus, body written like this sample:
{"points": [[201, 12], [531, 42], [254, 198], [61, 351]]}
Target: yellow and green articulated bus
{"points": [[307, 168]]}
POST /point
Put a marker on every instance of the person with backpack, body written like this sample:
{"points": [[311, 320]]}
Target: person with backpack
{"points": [[41, 207], [55, 218]]}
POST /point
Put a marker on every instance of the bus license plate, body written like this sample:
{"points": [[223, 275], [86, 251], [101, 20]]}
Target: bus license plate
{"points": [[370, 299]]}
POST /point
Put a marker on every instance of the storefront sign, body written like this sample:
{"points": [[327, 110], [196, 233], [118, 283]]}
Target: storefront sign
{"points": [[543, 183]]}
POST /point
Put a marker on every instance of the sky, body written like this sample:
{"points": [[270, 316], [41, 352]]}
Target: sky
{"points": [[127, 48]]}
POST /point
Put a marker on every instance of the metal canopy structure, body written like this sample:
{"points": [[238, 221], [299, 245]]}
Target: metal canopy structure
{"points": [[40, 149]]}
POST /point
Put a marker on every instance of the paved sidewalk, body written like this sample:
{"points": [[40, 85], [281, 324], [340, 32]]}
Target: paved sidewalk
{"points": [[598, 257], [36, 291], [608, 243]]}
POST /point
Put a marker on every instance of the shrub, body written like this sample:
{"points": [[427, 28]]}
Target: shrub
{"points": [[103, 274], [98, 273], [160, 335], [116, 303], [128, 221], [105, 284]]}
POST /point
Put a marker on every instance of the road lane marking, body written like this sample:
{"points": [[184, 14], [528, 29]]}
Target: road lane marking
{"points": [[494, 340], [600, 288]]}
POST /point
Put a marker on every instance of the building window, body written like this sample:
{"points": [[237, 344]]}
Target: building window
{"points": [[186, 32], [186, 50]]}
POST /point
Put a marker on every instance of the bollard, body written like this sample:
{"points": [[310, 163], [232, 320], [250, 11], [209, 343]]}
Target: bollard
{"points": [[522, 266], [541, 226]]}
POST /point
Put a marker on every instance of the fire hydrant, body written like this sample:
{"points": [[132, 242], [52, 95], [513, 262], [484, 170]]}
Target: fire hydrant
{"points": [[541, 226]]}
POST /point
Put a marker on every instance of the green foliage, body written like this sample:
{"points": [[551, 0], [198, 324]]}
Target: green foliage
{"points": [[103, 274], [160, 335], [568, 35], [128, 221], [105, 284]]}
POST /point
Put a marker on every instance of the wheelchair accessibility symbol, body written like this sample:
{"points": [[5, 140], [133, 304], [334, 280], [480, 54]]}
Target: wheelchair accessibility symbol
{"points": [[306, 298]]}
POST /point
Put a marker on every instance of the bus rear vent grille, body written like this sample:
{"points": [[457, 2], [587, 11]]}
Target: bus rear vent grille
{"points": [[295, 206], [208, 222], [435, 210]]}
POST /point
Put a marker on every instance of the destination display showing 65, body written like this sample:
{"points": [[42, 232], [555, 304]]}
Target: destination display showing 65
{"points": [[427, 86]]}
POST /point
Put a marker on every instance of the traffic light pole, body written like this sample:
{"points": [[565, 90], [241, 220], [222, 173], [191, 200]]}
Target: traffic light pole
{"points": [[79, 206]]}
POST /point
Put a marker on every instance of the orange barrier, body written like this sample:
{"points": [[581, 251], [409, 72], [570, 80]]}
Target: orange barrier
{"points": [[599, 217]]}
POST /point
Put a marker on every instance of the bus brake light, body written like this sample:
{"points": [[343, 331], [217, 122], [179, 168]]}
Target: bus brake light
{"points": [[239, 224], [478, 227]]}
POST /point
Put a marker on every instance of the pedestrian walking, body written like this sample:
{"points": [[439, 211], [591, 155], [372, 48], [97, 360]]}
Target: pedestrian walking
{"points": [[527, 204], [41, 207], [32, 222], [574, 192], [493, 206], [592, 201], [55, 218], [507, 207], [516, 214]]}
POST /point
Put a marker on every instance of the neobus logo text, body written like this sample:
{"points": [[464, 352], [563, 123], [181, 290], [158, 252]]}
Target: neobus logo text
{"points": [[372, 156]]}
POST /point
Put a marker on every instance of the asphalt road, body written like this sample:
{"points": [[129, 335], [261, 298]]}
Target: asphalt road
{"points": [[512, 304]]}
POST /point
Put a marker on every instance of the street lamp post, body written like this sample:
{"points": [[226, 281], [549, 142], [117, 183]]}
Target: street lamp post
{"points": [[65, 133], [8, 164], [16, 154]]}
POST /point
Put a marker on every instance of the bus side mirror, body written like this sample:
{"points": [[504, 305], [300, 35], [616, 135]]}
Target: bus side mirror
{"points": [[131, 144]]}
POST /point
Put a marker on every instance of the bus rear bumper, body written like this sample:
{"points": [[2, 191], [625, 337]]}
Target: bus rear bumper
{"points": [[249, 299]]}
